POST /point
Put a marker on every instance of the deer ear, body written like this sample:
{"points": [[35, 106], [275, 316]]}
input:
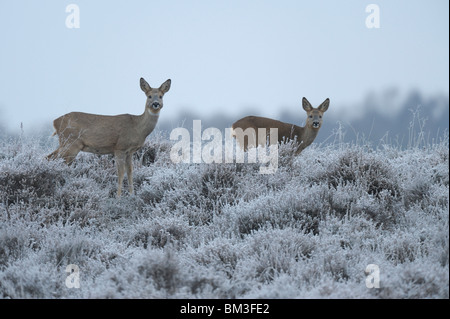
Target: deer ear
{"points": [[306, 105], [165, 86], [324, 106], [144, 85]]}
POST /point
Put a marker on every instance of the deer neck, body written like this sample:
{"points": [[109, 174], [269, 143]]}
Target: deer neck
{"points": [[307, 134], [147, 122]]}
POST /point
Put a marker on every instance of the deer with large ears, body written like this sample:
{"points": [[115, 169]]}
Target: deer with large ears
{"points": [[248, 126], [121, 135]]}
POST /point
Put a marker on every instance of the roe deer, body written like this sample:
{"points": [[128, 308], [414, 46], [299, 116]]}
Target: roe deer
{"points": [[121, 135], [305, 135]]}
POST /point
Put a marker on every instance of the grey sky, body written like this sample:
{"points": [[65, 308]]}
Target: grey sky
{"points": [[222, 56]]}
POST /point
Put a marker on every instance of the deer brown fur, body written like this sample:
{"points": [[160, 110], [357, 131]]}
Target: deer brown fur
{"points": [[121, 135], [286, 132]]}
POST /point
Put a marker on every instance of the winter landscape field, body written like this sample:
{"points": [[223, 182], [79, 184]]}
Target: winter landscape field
{"points": [[309, 230], [361, 213]]}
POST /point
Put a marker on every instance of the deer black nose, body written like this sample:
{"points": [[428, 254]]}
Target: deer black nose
{"points": [[155, 105]]}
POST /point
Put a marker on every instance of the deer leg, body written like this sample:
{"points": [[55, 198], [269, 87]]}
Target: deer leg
{"points": [[129, 167], [66, 151], [300, 148], [53, 155], [120, 162]]}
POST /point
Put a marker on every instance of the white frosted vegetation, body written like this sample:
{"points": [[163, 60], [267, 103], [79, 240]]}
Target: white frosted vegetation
{"points": [[225, 230]]}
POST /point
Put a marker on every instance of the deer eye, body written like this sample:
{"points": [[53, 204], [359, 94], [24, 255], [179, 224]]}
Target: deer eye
{"points": [[149, 96], [160, 96], [310, 116], [320, 116]]}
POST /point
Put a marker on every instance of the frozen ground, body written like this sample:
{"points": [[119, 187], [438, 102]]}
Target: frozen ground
{"points": [[224, 230]]}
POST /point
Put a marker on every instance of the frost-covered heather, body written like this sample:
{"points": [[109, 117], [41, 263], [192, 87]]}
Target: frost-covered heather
{"points": [[224, 230]]}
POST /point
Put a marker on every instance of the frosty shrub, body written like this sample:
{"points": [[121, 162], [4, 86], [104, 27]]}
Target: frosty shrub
{"points": [[158, 232], [219, 187], [30, 278], [29, 180], [197, 230], [153, 273], [12, 245], [155, 150], [274, 252], [364, 169], [297, 207], [72, 246], [161, 269]]}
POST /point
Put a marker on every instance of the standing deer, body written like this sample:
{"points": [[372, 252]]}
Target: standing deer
{"points": [[305, 135], [121, 135]]}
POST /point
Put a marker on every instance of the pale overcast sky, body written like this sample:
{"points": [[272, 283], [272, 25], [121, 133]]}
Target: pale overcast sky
{"points": [[222, 56]]}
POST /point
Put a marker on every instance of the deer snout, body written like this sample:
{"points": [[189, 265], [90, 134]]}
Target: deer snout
{"points": [[156, 105], [316, 124]]}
